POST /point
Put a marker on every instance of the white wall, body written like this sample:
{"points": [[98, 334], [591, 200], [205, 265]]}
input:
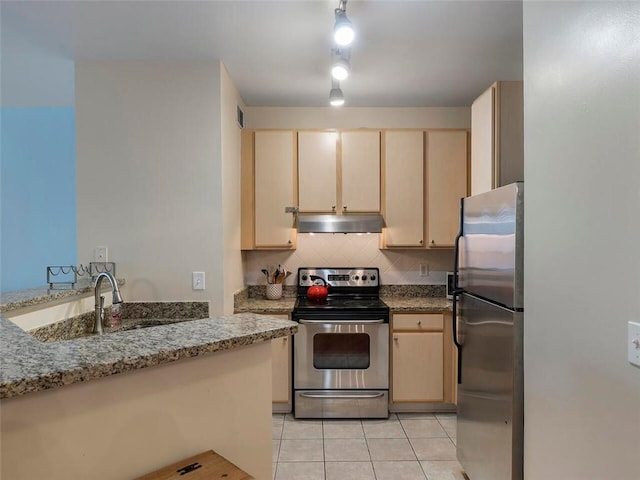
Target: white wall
{"points": [[582, 280], [330, 117], [397, 267], [149, 175], [231, 257]]}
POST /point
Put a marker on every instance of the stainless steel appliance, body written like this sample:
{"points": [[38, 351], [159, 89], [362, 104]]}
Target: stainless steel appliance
{"points": [[341, 350], [488, 302]]}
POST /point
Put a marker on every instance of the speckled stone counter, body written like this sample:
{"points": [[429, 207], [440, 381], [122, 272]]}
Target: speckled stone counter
{"points": [[282, 306], [253, 299], [29, 365], [418, 304], [400, 298], [32, 297]]}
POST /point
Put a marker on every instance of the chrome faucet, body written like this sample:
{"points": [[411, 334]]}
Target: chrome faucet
{"points": [[117, 298]]}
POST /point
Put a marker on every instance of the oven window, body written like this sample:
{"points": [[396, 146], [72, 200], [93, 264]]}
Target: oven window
{"points": [[341, 351]]}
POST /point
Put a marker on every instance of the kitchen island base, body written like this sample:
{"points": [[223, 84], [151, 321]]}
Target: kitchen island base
{"points": [[127, 425]]}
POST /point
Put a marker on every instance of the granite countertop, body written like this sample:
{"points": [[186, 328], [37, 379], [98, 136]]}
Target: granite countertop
{"points": [[397, 303], [418, 304], [281, 306], [32, 297], [29, 365]]}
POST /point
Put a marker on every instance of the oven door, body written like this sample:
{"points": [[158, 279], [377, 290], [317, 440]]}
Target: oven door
{"points": [[341, 354]]}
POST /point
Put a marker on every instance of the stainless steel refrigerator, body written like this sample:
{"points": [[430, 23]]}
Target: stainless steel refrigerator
{"points": [[488, 305]]}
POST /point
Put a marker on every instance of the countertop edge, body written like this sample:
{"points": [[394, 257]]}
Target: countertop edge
{"points": [[56, 374], [396, 305]]}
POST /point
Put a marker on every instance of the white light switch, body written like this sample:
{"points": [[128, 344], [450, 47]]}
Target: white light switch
{"points": [[634, 343], [197, 280]]}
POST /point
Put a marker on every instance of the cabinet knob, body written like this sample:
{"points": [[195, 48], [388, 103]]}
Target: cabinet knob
{"points": [[395, 339], [289, 242], [344, 207], [421, 242], [333, 207], [433, 242], [419, 322]]}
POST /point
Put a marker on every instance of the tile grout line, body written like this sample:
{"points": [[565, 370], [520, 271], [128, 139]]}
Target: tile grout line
{"points": [[413, 450]]}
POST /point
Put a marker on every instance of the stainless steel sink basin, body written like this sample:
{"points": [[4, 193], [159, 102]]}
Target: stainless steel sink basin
{"points": [[154, 322], [71, 332]]}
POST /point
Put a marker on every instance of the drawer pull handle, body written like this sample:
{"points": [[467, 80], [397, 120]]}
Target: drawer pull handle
{"points": [[342, 395]]}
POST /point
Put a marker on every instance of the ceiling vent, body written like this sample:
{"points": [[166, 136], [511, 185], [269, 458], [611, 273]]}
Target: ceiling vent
{"points": [[240, 116]]}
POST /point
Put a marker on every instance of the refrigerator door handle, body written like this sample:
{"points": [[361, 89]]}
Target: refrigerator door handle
{"points": [[456, 289]]}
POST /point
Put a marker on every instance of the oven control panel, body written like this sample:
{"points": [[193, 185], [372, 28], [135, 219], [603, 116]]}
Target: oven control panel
{"points": [[339, 277]]}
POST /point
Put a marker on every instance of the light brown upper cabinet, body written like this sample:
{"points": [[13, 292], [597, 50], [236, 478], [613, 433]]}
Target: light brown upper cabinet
{"points": [[339, 172], [317, 179], [447, 158], [360, 162], [403, 188], [497, 137], [268, 186], [425, 175]]}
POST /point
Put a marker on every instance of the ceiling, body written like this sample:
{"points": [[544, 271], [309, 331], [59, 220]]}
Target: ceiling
{"points": [[407, 53]]}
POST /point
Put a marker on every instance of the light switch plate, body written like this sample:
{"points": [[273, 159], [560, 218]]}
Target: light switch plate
{"points": [[634, 343], [197, 280]]}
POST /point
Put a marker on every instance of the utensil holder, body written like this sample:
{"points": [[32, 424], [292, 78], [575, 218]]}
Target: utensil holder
{"points": [[274, 291]]}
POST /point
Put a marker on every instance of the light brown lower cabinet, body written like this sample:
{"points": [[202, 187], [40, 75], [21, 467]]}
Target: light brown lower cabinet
{"points": [[422, 361], [281, 372]]}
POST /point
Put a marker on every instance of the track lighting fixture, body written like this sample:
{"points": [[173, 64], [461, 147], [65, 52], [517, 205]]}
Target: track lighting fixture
{"points": [[336, 97], [343, 35], [343, 32], [340, 67]]}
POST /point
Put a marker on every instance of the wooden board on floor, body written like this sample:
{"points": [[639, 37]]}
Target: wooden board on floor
{"points": [[204, 466]]}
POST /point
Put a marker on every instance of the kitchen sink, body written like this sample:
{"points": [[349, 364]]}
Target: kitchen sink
{"points": [[146, 323], [70, 331]]}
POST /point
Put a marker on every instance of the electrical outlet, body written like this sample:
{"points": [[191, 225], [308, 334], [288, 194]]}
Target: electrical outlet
{"points": [[100, 254], [424, 269], [197, 280]]}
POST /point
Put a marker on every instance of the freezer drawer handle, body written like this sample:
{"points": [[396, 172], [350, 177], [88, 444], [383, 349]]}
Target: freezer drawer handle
{"points": [[342, 395], [341, 322]]}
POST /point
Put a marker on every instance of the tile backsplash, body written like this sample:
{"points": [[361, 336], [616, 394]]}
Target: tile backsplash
{"points": [[397, 267]]}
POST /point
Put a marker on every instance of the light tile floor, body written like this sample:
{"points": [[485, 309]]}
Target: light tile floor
{"points": [[407, 446]]}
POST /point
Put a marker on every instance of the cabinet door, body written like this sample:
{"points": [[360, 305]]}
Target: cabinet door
{"points": [[360, 171], [446, 185], [281, 369], [274, 181], [482, 142], [404, 189], [417, 367], [317, 175]]}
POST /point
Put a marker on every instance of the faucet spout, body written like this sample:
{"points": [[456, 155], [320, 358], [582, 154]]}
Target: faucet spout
{"points": [[99, 299]]}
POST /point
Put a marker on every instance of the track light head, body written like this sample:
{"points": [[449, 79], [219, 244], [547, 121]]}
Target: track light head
{"points": [[340, 67], [336, 97], [343, 32]]}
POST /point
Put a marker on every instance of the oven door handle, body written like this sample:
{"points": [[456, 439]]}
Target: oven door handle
{"points": [[341, 322], [342, 395]]}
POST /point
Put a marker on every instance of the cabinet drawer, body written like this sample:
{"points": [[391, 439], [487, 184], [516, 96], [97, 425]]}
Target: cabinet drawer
{"points": [[418, 322]]}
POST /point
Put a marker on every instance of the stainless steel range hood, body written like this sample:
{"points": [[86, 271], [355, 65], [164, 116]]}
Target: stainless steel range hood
{"points": [[345, 223]]}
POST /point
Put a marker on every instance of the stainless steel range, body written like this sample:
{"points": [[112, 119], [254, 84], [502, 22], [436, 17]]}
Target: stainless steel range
{"points": [[341, 350]]}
